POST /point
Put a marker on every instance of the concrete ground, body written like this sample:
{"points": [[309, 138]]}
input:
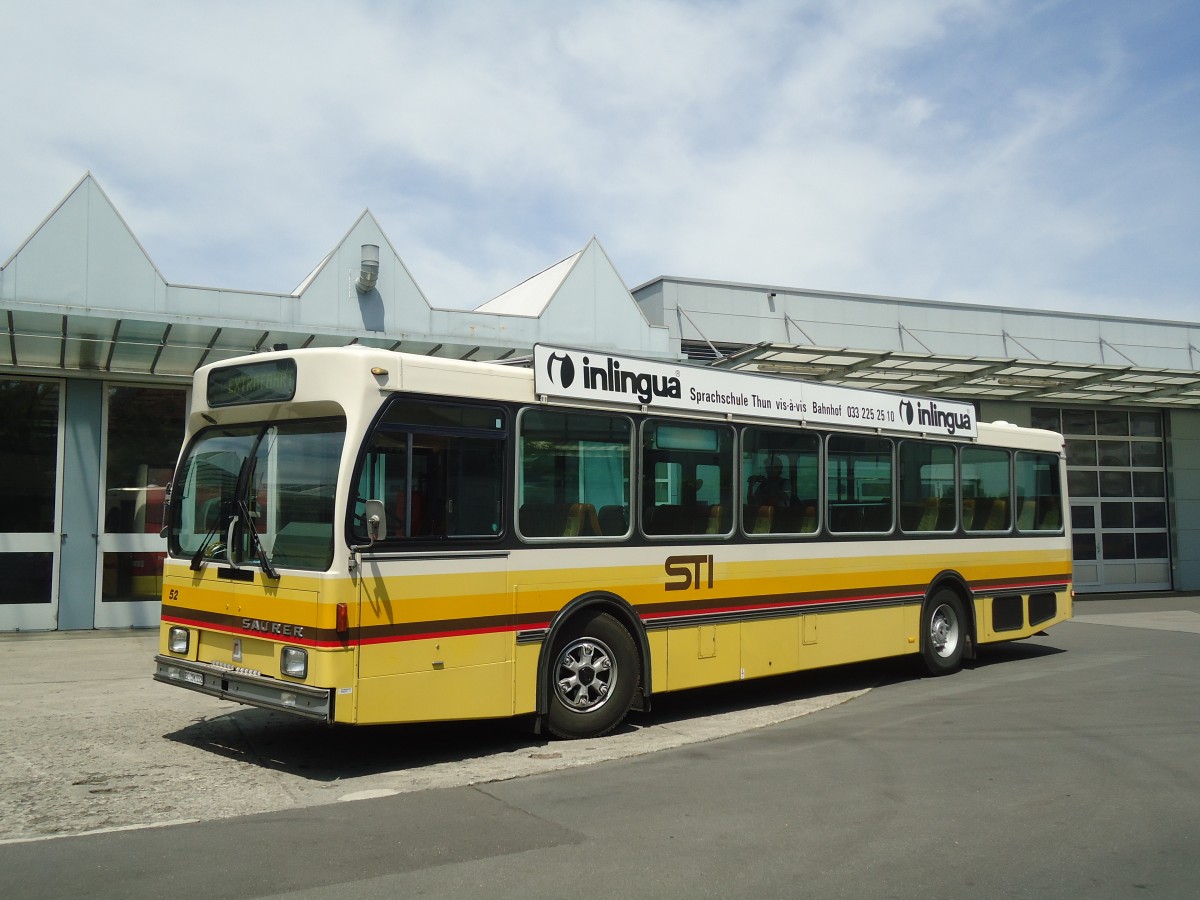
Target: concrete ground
{"points": [[91, 742]]}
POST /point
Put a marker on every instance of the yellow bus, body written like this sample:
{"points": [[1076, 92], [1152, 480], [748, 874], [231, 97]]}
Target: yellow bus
{"points": [[363, 536]]}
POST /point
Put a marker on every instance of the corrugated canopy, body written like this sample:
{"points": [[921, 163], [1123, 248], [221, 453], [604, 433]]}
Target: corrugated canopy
{"points": [[42, 340], [971, 376]]}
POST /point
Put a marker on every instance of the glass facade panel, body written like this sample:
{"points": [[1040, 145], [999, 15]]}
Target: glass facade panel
{"points": [[1112, 422], [1115, 484], [1084, 547], [1083, 484], [1079, 421], [1050, 419], [145, 428], [1152, 545], [26, 578], [1147, 454], [1149, 484], [1145, 424], [1119, 456], [1118, 546], [1116, 515], [1150, 515], [1081, 453], [132, 576], [1083, 517], [28, 455], [1113, 453]]}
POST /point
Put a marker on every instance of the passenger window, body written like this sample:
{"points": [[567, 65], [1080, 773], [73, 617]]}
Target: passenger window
{"points": [[574, 475], [780, 481], [986, 489], [927, 490], [1039, 493], [438, 468], [858, 482], [687, 481]]}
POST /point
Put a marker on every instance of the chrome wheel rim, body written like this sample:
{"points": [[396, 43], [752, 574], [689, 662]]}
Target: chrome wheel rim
{"points": [[943, 631], [585, 673]]}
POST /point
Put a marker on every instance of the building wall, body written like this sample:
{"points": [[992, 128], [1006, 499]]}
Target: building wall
{"points": [[80, 488], [1183, 455]]}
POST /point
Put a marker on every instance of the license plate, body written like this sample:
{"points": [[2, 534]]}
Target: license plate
{"points": [[189, 677]]}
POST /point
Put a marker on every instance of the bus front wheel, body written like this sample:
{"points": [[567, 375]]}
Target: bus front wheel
{"points": [[943, 632], [593, 676]]}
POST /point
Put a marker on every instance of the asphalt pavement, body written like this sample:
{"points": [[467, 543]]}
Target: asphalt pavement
{"points": [[1062, 766]]}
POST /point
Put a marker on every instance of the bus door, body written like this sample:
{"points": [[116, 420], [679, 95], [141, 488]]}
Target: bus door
{"points": [[435, 610]]}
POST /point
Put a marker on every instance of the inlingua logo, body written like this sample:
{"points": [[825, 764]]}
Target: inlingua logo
{"points": [[609, 376], [565, 367], [927, 413]]}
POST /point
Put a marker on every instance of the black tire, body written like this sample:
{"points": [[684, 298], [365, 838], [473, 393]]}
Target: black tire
{"points": [[593, 674], [943, 632]]}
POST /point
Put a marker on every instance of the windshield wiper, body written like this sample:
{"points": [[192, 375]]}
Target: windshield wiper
{"points": [[198, 556], [260, 550]]}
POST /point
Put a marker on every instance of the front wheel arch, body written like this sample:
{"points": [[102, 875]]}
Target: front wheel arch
{"points": [[583, 605]]}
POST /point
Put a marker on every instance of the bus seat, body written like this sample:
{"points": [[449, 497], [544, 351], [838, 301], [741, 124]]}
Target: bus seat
{"points": [[947, 510], [667, 519], [1051, 519], [714, 520], [543, 519], [997, 519], [929, 518], [581, 521], [764, 519], [1027, 514], [808, 524], [613, 520], [968, 513]]}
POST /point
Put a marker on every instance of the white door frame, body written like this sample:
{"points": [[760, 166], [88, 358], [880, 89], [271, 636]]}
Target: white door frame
{"points": [[40, 616]]}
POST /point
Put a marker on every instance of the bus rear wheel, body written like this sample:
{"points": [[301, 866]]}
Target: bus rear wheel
{"points": [[593, 676], [943, 632]]}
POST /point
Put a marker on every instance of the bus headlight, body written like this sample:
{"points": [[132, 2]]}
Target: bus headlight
{"points": [[293, 661], [178, 639]]}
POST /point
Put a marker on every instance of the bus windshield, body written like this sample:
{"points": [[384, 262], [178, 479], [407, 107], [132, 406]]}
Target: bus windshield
{"points": [[258, 493]]}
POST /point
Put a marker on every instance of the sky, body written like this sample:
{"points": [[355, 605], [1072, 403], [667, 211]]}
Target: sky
{"points": [[1002, 152]]}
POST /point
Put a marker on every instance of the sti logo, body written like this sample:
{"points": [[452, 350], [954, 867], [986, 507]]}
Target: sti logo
{"points": [[565, 367]]}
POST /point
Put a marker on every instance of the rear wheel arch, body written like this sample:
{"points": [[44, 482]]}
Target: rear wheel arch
{"points": [[946, 585]]}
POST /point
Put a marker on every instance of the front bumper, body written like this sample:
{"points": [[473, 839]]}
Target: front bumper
{"points": [[246, 687]]}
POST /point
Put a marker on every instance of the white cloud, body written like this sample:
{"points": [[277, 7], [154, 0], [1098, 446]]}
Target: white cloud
{"points": [[999, 152]]}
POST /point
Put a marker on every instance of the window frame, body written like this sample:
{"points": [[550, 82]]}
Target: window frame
{"points": [[742, 502], [647, 476], [519, 477], [828, 495], [401, 542]]}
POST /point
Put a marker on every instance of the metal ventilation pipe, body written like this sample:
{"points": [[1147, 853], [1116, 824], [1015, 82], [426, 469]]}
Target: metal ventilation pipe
{"points": [[369, 271]]}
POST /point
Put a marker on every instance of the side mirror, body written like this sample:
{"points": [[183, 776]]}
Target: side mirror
{"points": [[376, 516]]}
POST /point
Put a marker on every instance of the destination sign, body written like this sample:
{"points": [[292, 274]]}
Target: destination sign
{"points": [[602, 377], [255, 382]]}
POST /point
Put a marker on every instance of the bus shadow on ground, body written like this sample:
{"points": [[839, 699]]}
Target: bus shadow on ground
{"points": [[322, 753]]}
